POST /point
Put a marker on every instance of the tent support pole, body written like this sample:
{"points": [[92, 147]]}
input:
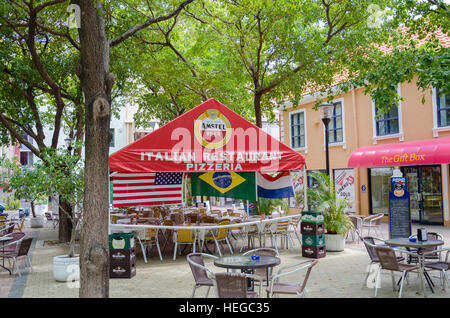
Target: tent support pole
{"points": [[305, 187], [256, 191]]}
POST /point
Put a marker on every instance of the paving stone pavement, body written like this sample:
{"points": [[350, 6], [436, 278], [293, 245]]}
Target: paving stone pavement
{"points": [[338, 275]]}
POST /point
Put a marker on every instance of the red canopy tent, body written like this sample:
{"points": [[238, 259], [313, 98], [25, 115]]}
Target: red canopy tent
{"points": [[210, 137]]}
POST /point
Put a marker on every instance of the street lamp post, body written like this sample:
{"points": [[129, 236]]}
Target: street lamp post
{"points": [[326, 113]]}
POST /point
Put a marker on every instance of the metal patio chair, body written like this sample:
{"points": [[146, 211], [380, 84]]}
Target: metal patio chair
{"points": [[200, 271], [388, 261], [21, 251], [441, 264], [264, 273], [220, 236], [235, 285], [276, 287]]}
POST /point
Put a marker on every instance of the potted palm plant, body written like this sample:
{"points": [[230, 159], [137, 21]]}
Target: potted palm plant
{"points": [[337, 223]]}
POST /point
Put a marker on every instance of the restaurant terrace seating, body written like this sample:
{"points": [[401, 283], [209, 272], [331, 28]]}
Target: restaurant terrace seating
{"points": [[276, 287], [263, 273], [389, 261], [441, 264], [20, 252], [183, 237], [200, 272], [220, 236], [234, 285], [147, 238]]}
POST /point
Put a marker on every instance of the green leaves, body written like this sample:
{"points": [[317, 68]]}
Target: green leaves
{"points": [[267, 206], [323, 198], [60, 173]]}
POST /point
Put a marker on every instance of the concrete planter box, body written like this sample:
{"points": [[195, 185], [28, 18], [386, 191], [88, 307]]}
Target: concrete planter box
{"points": [[66, 269], [334, 242], [40, 209], [37, 222]]}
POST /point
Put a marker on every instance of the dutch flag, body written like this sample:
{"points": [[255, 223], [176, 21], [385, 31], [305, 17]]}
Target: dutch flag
{"points": [[276, 187]]}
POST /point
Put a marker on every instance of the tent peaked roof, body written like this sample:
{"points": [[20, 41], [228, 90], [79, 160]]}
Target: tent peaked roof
{"points": [[209, 137]]}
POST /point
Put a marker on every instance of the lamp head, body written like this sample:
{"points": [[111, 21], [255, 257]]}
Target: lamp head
{"points": [[326, 110]]}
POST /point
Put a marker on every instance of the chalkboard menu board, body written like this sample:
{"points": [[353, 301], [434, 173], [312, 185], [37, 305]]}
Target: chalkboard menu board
{"points": [[399, 209]]}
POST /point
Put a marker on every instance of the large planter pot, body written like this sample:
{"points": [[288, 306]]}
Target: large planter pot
{"points": [[66, 269], [37, 222], [40, 209], [334, 242]]}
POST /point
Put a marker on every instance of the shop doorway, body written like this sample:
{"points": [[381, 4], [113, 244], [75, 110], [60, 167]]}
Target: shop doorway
{"points": [[425, 190]]}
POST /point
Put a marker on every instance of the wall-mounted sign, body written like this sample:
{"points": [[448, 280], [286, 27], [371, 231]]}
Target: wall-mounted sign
{"points": [[344, 184], [363, 188], [298, 180]]}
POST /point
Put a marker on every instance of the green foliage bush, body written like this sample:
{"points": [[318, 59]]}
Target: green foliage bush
{"points": [[323, 199]]}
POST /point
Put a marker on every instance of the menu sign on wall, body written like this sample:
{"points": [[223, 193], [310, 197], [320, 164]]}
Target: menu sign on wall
{"points": [[344, 184], [298, 179], [399, 209]]}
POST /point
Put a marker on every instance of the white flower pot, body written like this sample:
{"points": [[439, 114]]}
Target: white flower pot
{"points": [[37, 222], [334, 242], [40, 209], [66, 269]]}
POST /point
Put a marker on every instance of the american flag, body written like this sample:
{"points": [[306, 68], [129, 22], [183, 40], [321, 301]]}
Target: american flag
{"points": [[131, 189]]}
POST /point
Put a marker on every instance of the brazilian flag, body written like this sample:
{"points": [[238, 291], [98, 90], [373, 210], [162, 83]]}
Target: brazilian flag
{"points": [[231, 184]]}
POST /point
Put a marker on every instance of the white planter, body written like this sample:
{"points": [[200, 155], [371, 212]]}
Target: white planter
{"points": [[66, 269], [37, 222], [334, 242], [40, 209]]}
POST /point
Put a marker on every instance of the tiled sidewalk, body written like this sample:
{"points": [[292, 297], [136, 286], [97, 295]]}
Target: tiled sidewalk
{"points": [[338, 275]]}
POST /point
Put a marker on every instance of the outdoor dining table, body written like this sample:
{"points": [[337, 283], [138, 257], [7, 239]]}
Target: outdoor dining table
{"points": [[405, 242], [247, 265], [4, 239]]}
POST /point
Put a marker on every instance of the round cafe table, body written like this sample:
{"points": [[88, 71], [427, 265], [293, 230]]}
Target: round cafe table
{"points": [[247, 265], [405, 242], [4, 239]]}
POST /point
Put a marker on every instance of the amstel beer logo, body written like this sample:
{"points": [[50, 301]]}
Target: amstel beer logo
{"points": [[212, 129]]}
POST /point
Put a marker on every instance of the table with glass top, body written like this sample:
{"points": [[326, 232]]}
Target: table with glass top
{"points": [[419, 245], [247, 265]]}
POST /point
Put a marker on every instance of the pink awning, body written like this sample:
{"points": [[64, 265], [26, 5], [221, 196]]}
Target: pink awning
{"points": [[422, 152]]}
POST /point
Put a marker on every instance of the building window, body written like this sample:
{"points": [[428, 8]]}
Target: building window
{"points": [[335, 126], [380, 186], [113, 137], [298, 130], [443, 109], [139, 134], [387, 123], [26, 158]]}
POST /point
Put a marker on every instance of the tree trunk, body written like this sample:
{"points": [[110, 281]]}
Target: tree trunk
{"points": [[257, 106], [65, 224], [94, 254], [32, 208]]}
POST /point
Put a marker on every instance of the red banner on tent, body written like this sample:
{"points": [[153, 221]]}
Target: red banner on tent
{"points": [[210, 137]]}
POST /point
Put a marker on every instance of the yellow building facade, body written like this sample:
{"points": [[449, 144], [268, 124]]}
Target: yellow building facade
{"points": [[356, 125]]}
